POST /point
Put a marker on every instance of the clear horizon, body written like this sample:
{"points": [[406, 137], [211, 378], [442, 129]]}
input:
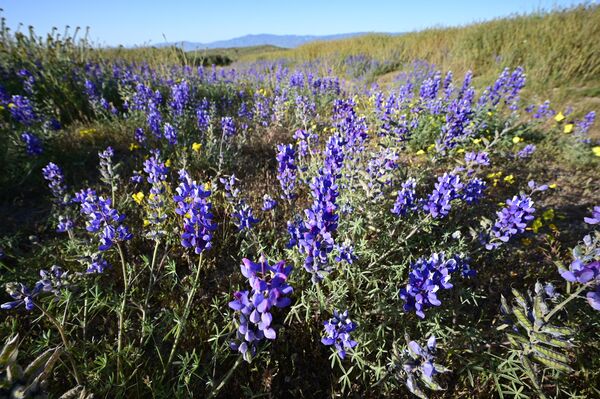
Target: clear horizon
{"points": [[135, 23]]}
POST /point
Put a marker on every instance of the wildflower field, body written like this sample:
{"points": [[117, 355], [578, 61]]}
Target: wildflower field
{"points": [[287, 228]]}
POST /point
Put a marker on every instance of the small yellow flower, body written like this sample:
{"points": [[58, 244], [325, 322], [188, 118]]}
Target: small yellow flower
{"points": [[596, 150], [1, 107], [146, 222], [460, 150], [536, 225], [490, 114], [568, 128], [510, 179], [553, 185], [431, 147], [559, 117], [517, 139], [168, 163], [476, 141], [553, 227], [207, 186], [526, 241], [196, 147], [11, 105], [420, 152], [138, 197], [151, 197], [548, 214], [133, 147]]}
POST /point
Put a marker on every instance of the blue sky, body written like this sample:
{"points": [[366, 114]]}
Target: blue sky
{"points": [[136, 22]]}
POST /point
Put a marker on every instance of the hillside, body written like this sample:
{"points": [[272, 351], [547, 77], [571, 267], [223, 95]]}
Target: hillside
{"points": [[559, 49]]}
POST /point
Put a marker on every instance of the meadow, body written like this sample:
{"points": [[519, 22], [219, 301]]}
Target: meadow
{"points": [[373, 217]]}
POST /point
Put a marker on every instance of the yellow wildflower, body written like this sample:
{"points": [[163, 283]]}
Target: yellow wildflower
{"points": [[168, 163], [431, 147], [559, 117], [536, 225], [138, 197], [548, 214], [196, 147], [510, 179], [526, 241], [420, 152], [11, 105], [460, 150], [568, 128], [133, 147], [207, 185], [476, 141], [553, 185], [146, 222], [596, 150], [553, 227], [517, 139]]}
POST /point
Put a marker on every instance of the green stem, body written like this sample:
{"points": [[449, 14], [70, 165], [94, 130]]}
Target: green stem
{"points": [[186, 312], [121, 311], [216, 391], [63, 337], [569, 299], [150, 284]]}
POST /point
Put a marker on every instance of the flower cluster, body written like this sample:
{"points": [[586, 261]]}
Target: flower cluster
{"points": [[268, 203], [511, 220], [286, 170], [337, 333], [427, 277], [156, 173], [447, 189], [406, 200], [33, 145], [56, 182], [269, 289], [244, 216], [102, 219], [595, 218], [192, 205], [52, 281], [420, 362], [585, 267]]}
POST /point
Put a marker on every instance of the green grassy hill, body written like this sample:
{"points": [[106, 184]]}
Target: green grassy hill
{"points": [[559, 50]]}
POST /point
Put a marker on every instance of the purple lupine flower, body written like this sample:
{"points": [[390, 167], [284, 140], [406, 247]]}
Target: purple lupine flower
{"points": [[193, 206], [56, 182], [53, 280], [97, 265], [180, 94], [406, 200], [426, 278], [64, 224], [595, 219], [154, 120], [269, 289], [321, 222], [243, 217], [268, 203], [156, 175], [21, 110], [108, 172], [337, 333], [477, 158], [345, 253], [584, 125], [102, 219], [420, 362], [139, 135], [593, 298], [286, 170], [203, 115], [21, 295], [296, 230], [474, 191], [231, 191], [228, 126], [33, 145], [447, 189], [170, 133], [543, 111], [511, 220], [527, 151]]}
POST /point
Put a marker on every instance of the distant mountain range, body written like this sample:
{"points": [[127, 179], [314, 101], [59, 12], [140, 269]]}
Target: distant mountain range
{"points": [[288, 41]]}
